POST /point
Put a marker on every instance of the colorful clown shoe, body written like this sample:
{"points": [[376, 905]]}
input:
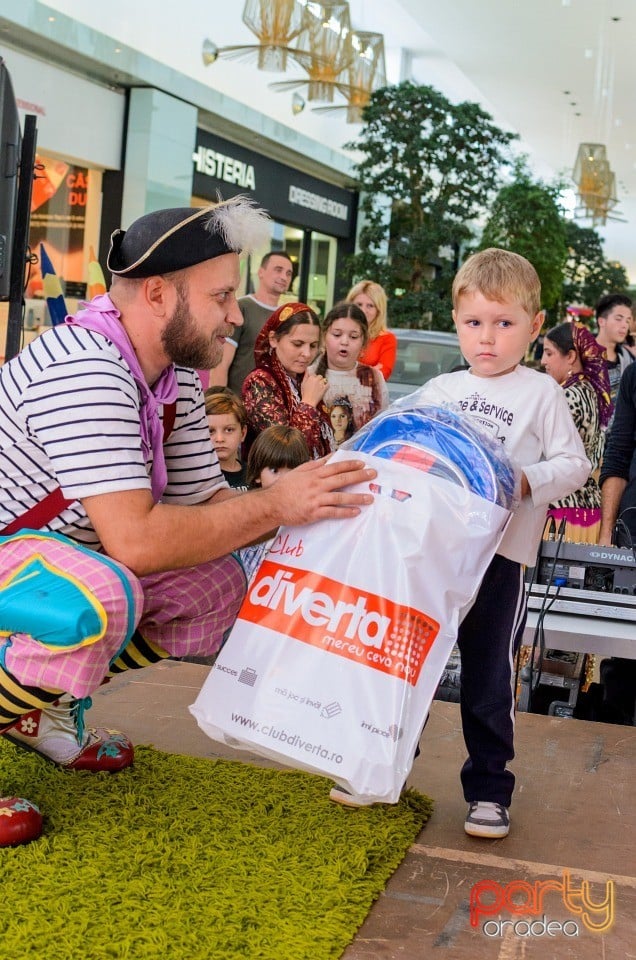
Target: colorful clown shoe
{"points": [[20, 821], [57, 734]]}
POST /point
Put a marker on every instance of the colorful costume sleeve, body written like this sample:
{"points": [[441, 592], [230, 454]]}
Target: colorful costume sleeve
{"points": [[266, 405]]}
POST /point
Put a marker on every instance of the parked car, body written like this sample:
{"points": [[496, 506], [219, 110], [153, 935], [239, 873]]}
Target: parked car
{"points": [[421, 355]]}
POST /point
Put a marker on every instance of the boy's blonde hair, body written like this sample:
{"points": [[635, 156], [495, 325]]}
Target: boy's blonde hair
{"points": [[377, 296], [500, 275]]}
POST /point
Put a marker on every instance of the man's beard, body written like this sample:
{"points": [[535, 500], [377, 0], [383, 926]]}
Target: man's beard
{"points": [[183, 343]]}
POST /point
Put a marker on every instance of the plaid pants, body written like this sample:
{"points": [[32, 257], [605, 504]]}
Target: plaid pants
{"points": [[186, 612]]}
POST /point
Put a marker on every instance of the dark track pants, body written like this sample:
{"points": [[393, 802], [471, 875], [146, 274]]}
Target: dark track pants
{"points": [[488, 640]]}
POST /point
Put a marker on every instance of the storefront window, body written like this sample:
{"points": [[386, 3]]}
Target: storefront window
{"points": [[292, 244], [314, 278], [65, 213], [58, 220], [283, 237], [322, 272], [313, 221]]}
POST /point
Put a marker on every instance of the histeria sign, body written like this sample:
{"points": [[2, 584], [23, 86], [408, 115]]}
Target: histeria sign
{"points": [[224, 168]]}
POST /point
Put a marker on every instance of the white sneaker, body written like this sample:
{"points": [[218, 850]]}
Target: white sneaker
{"points": [[487, 819]]}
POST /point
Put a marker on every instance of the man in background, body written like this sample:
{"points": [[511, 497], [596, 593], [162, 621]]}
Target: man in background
{"points": [[618, 526], [275, 275], [613, 318]]}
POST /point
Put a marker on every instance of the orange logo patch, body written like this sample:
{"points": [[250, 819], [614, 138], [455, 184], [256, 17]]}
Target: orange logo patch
{"points": [[344, 620]]}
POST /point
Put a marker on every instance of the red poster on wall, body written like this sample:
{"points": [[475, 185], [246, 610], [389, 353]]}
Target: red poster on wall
{"points": [[58, 220]]}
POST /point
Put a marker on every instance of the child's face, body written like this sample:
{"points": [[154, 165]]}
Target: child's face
{"points": [[226, 434], [343, 343], [269, 475], [493, 335]]}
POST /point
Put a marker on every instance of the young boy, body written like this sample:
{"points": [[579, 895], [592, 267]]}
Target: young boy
{"points": [[496, 301], [227, 420]]}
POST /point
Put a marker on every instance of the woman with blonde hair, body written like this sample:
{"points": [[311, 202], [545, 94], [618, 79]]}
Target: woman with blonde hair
{"points": [[381, 350]]}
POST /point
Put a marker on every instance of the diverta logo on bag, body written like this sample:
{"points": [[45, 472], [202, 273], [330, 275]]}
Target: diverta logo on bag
{"points": [[354, 620], [341, 619]]}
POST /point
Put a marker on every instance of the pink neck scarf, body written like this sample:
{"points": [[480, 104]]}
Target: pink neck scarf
{"points": [[101, 316]]}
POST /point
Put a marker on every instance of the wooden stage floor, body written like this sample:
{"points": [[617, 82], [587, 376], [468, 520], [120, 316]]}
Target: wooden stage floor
{"points": [[574, 811]]}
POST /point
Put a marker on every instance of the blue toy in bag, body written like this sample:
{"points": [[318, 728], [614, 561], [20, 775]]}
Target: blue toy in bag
{"points": [[441, 441]]}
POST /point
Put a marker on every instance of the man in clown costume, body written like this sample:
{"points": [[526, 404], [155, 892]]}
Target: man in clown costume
{"points": [[116, 523]]}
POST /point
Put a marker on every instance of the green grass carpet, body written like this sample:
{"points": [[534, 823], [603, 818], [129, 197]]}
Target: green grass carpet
{"points": [[182, 858]]}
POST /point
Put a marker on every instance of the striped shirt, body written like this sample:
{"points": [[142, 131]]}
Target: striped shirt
{"points": [[69, 417]]}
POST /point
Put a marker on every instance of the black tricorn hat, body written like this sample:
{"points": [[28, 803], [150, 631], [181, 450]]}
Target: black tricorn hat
{"points": [[181, 237]]}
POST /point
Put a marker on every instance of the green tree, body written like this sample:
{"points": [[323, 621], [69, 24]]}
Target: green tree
{"points": [[616, 278], [435, 166], [526, 218], [583, 280], [588, 275]]}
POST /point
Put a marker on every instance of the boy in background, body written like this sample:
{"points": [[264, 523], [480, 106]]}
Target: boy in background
{"points": [[496, 309], [227, 420]]}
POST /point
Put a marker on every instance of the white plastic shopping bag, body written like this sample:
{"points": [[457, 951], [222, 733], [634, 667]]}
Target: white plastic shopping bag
{"points": [[347, 627]]}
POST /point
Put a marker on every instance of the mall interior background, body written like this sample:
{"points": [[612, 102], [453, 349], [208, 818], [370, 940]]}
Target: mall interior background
{"points": [[129, 117]]}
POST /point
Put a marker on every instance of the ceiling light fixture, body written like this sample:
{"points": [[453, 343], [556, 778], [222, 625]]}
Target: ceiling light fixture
{"points": [[595, 183], [318, 37], [365, 73], [326, 42], [594, 179], [347, 62], [276, 24], [298, 104]]}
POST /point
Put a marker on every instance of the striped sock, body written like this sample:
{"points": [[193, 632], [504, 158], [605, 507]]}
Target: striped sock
{"points": [[16, 698], [138, 653]]}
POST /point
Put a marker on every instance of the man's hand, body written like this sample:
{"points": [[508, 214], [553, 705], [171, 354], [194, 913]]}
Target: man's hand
{"points": [[149, 537], [315, 491]]}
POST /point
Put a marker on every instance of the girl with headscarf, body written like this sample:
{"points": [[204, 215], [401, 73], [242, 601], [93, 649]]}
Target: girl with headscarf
{"points": [[572, 356], [281, 390]]}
